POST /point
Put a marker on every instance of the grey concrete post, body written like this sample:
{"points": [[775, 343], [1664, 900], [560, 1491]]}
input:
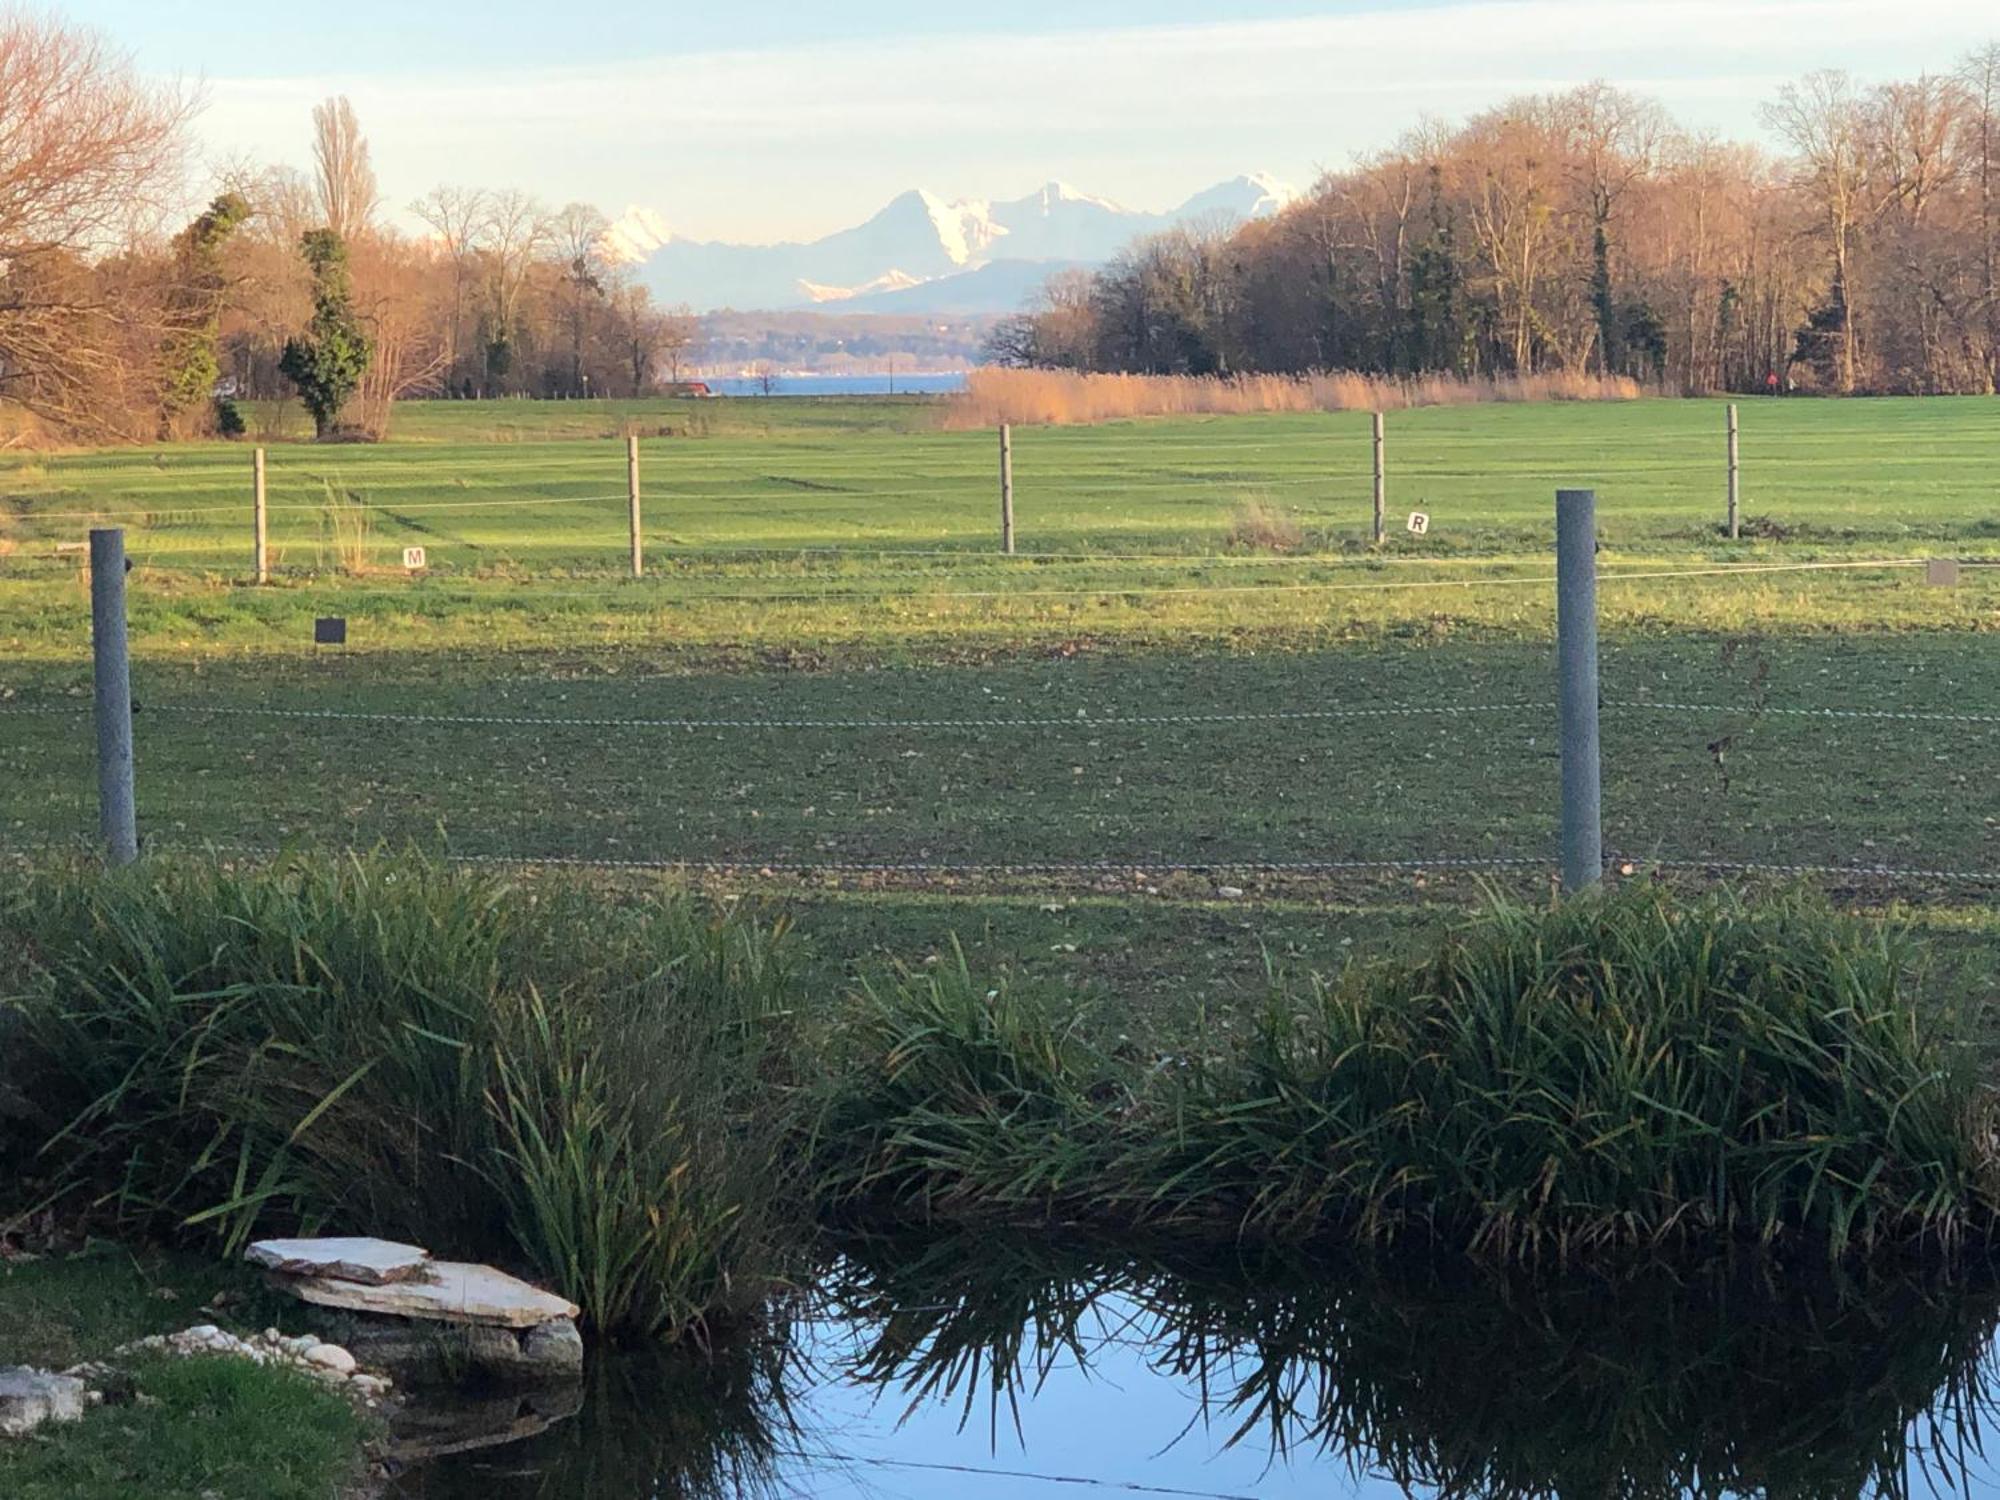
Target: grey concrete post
{"points": [[1007, 489], [1381, 482], [632, 504], [117, 816], [1576, 667]]}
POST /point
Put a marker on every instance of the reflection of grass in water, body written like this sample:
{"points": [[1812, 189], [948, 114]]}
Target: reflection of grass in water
{"points": [[1736, 1380], [684, 1423]]}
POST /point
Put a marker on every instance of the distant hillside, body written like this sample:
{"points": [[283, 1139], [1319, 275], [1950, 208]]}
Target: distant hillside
{"points": [[903, 257], [835, 343]]}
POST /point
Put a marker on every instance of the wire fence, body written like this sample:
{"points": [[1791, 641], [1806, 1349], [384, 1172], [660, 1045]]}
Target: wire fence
{"points": [[1280, 772], [1112, 497]]}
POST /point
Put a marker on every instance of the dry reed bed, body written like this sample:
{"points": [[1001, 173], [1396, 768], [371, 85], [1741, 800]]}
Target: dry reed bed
{"points": [[1057, 398]]}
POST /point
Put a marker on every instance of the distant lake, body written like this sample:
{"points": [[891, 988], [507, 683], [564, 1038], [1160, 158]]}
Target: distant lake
{"points": [[839, 385]]}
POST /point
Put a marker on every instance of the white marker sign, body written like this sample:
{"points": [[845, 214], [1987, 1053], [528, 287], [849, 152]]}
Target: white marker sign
{"points": [[413, 559], [1420, 524]]}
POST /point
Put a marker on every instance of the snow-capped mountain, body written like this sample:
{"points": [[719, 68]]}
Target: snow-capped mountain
{"points": [[916, 241]]}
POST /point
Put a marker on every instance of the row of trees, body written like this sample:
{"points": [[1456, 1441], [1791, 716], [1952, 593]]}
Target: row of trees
{"points": [[498, 295], [1585, 231], [115, 322]]}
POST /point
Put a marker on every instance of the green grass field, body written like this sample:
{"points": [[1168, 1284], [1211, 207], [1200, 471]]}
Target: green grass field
{"points": [[548, 498], [1188, 700]]}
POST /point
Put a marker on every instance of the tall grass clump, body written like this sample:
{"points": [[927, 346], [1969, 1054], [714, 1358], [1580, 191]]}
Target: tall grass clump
{"points": [[1055, 398], [951, 1100], [346, 528], [519, 1072], [1626, 1071]]}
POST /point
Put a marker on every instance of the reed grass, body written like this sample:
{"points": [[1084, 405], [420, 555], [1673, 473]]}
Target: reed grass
{"points": [[385, 1045], [1055, 398], [1610, 1074], [347, 525]]}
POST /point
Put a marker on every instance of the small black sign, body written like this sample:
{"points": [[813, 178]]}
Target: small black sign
{"points": [[330, 631]]}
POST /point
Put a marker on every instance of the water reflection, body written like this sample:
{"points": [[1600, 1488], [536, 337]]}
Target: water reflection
{"points": [[1024, 1368]]}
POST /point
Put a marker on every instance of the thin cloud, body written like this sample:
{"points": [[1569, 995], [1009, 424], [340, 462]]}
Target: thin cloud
{"points": [[760, 143]]}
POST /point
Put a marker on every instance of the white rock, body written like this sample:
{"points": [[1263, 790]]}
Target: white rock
{"points": [[1229, 892], [448, 1292], [28, 1398], [367, 1261], [331, 1357]]}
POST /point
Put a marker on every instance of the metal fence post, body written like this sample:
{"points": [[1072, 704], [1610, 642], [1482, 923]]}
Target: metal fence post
{"points": [[262, 517], [1576, 668], [1007, 489], [632, 504], [1381, 482], [117, 818], [1735, 480]]}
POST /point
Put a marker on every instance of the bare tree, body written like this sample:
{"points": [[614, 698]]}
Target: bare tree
{"points": [[578, 234], [348, 197], [680, 335], [1980, 76], [1823, 119], [82, 141], [1613, 141], [398, 298], [459, 219], [516, 229]]}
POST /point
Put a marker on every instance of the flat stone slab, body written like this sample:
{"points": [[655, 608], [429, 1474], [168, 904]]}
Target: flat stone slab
{"points": [[28, 1398], [445, 1291], [368, 1261]]}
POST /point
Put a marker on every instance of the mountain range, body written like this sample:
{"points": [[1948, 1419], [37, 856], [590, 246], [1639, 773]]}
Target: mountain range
{"points": [[921, 253]]}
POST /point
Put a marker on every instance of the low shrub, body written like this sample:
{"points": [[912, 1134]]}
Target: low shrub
{"points": [[1620, 1071], [520, 1072]]}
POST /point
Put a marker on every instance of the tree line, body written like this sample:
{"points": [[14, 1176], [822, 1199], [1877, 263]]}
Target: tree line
{"points": [[1586, 232], [117, 323]]}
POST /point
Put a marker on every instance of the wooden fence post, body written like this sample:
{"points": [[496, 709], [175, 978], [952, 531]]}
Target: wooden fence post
{"points": [[1381, 482], [262, 517], [1007, 489], [632, 504], [1735, 480]]}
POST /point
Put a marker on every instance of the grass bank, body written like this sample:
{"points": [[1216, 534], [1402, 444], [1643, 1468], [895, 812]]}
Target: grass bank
{"points": [[1628, 1072], [374, 1045], [637, 1102], [215, 1428]]}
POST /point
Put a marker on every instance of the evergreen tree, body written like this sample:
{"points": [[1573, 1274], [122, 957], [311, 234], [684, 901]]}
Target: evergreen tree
{"points": [[328, 362], [189, 368]]}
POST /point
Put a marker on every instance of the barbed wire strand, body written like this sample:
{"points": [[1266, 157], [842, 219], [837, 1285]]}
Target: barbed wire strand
{"points": [[947, 868], [1079, 720], [246, 509], [1759, 867], [1104, 868], [698, 598]]}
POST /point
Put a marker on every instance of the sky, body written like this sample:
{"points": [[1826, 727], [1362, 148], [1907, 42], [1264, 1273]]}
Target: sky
{"points": [[787, 119]]}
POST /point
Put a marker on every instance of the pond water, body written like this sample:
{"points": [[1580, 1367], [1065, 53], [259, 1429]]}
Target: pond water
{"points": [[995, 1370]]}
